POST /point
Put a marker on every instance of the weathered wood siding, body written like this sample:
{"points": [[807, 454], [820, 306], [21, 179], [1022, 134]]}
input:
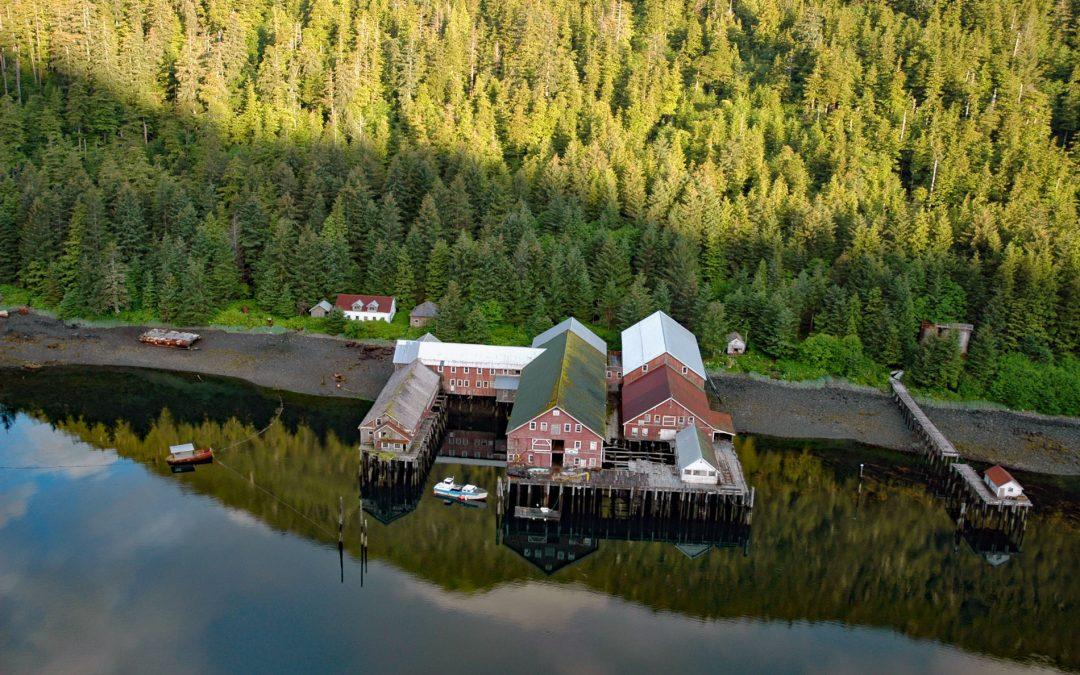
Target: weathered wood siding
{"points": [[526, 446], [659, 362]]}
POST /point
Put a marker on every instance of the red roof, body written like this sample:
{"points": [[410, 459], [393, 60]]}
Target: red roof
{"points": [[645, 393], [345, 301], [998, 475]]}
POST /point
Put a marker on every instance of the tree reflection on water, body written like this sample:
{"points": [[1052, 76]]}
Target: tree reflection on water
{"points": [[820, 548]]}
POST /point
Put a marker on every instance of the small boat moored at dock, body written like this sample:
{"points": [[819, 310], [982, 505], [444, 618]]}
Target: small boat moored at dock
{"points": [[448, 489], [536, 513], [186, 455]]}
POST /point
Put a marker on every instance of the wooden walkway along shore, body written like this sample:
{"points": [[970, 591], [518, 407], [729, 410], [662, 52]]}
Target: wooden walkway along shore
{"points": [[932, 441]]}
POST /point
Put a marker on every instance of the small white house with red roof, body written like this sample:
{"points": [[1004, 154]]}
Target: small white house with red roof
{"points": [[367, 307], [1001, 482]]}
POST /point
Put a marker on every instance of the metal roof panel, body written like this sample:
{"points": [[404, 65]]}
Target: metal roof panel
{"points": [[658, 334]]}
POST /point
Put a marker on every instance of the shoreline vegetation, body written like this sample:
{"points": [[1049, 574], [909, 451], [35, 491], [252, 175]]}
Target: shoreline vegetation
{"points": [[306, 364], [822, 177], [1021, 385]]}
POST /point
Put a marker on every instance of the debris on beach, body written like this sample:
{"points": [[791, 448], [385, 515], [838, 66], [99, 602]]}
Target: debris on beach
{"points": [[169, 338]]}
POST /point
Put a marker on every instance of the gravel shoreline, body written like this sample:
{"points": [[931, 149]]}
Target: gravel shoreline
{"points": [[1025, 441], [307, 364], [291, 361]]}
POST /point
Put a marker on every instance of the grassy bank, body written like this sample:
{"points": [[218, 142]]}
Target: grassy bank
{"points": [[1015, 381]]}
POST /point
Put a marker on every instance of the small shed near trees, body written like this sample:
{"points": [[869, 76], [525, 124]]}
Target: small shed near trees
{"points": [[423, 314], [736, 344], [321, 309], [961, 332]]}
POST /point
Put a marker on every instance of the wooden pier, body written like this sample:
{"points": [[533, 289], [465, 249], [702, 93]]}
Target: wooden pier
{"points": [[979, 513], [644, 489], [932, 441], [982, 515]]}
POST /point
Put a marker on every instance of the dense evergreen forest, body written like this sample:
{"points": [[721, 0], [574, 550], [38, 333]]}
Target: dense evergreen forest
{"points": [[819, 174]]}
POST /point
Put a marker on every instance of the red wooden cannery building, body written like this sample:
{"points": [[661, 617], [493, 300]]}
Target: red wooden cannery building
{"points": [[560, 411]]}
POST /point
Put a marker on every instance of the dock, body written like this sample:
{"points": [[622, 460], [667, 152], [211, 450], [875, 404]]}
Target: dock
{"points": [[979, 513], [644, 489]]}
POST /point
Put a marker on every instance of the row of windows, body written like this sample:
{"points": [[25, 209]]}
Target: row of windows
{"points": [[544, 445], [479, 371], [699, 472], [555, 427], [453, 440], [581, 461], [667, 420], [465, 383]]}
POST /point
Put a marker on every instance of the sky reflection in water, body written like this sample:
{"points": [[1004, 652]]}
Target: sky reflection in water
{"points": [[117, 565]]}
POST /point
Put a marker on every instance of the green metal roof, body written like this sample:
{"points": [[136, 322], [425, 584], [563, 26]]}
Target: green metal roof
{"points": [[568, 374]]}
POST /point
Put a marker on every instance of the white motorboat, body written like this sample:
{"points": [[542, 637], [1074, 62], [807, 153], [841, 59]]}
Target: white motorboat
{"points": [[448, 489]]}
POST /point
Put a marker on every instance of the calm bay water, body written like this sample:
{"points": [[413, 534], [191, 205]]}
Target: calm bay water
{"points": [[108, 562]]}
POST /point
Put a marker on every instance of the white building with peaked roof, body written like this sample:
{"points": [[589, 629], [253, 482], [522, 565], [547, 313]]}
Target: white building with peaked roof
{"points": [[695, 457], [1001, 482], [657, 341]]}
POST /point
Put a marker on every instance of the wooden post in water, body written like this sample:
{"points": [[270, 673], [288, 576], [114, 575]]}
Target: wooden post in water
{"points": [[341, 536]]}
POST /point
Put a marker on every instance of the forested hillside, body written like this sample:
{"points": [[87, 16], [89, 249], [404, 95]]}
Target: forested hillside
{"points": [[786, 168]]}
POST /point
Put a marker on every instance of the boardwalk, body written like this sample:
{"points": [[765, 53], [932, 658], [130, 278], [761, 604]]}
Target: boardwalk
{"points": [[932, 439]]}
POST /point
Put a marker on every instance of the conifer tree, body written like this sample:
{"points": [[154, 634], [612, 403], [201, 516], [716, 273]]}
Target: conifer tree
{"points": [[450, 325], [308, 268], [115, 280], [438, 268], [275, 269], [636, 305], [404, 281], [334, 323], [714, 330], [476, 329]]}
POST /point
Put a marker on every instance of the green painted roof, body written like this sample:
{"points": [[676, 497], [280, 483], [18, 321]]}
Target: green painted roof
{"points": [[568, 374]]}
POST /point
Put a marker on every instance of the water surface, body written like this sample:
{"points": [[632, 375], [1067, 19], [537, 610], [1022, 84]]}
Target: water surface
{"points": [[109, 562]]}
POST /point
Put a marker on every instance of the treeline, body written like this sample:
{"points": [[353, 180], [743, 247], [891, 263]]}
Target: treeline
{"points": [[777, 167]]}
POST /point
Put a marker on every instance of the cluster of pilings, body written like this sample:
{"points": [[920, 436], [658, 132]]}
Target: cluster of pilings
{"points": [[720, 533], [615, 502], [973, 514]]}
